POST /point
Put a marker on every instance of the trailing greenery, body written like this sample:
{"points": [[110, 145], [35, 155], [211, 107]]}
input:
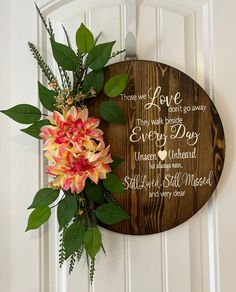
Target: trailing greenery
{"points": [[78, 215], [62, 251], [44, 67], [72, 262], [80, 252], [48, 27], [92, 270]]}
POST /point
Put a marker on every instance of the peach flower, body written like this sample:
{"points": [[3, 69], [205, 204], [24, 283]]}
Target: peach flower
{"points": [[75, 149]]}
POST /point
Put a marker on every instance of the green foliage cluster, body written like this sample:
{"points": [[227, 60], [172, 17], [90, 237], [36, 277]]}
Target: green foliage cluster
{"points": [[78, 217], [78, 214]]}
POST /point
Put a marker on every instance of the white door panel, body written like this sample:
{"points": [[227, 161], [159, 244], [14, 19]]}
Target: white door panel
{"points": [[195, 36]]}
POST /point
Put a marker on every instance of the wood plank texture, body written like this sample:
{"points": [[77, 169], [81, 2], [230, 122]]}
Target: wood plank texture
{"points": [[151, 211]]}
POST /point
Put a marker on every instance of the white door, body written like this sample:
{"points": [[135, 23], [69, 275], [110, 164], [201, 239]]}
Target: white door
{"points": [[196, 36]]}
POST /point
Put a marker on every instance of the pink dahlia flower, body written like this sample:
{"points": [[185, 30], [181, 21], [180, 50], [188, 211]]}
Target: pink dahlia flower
{"points": [[75, 149], [71, 129]]}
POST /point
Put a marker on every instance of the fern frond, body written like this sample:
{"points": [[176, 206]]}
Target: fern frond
{"points": [[79, 73], [80, 252], [114, 54], [65, 79], [87, 258], [43, 65], [92, 270], [61, 72], [42, 18], [72, 263], [62, 252], [51, 31]]}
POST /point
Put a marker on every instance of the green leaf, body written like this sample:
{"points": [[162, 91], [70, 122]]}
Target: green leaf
{"points": [[111, 112], [84, 39], [44, 197], [95, 192], [111, 214], [93, 241], [47, 97], [116, 162], [38, 217], [64, 56], [95, 80], [116, 85], [66, 210], [113, 183], [74, 237], [23, 113], [99, 56], [34, 129]]}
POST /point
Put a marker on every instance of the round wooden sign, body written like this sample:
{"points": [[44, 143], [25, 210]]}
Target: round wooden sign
{"points": [[172, 143]]}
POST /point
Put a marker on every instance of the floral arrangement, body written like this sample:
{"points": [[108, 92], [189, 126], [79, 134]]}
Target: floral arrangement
{"points": [[80, 165]]}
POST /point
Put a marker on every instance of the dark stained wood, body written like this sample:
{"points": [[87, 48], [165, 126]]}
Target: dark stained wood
{"points": [[157, 214]]}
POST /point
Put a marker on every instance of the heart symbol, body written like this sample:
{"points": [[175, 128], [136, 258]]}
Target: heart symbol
{"points": [[162, 154]]}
